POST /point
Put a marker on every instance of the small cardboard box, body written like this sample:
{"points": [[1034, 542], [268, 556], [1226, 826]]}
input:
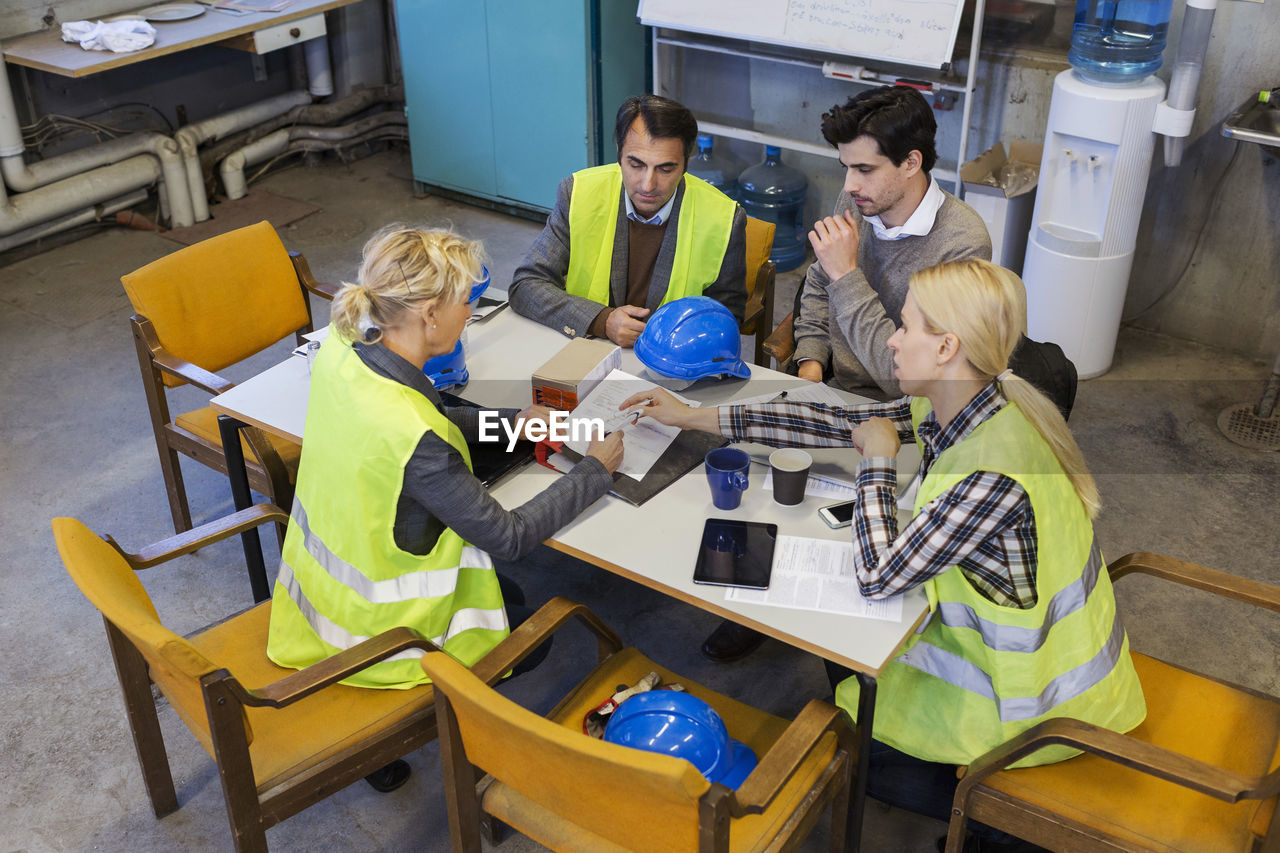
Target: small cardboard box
{"points": [[570, 374], [1004, 203]]}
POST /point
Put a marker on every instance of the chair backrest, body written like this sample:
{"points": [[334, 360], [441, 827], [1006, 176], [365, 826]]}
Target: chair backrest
{"points": [[221, 300], [759, 245], [625, 795], [111, 584]]}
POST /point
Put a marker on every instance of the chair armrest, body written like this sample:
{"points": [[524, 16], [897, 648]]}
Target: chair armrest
{"points": [[198, 537], [1198, 577], [787, 754], [535, 630], [170, 363], [329, 671], [781, 344], [753, 313], [308, 281], [1121, 749]]}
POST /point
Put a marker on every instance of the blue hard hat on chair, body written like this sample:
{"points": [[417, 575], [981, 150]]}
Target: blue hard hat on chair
{"points": [[448, 370], [692, 338], [674, 723]]}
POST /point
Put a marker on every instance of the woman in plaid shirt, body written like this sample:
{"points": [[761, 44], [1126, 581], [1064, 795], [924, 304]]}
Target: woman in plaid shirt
{"points": [[1023, 623]]}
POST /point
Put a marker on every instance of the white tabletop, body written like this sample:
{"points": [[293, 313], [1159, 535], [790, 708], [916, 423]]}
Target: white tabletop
{"points": [[654, 544]]}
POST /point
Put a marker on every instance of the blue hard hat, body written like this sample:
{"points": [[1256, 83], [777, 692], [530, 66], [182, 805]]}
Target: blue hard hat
{"points": [[674, 723], [692, 338], [448, 370], [480, 286]]}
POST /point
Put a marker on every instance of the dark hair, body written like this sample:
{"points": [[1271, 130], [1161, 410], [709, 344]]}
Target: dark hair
{"points": [[662, 117], [898, 118]]}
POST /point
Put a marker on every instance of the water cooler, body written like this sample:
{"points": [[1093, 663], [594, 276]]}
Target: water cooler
{"points": [[1103, 119]]}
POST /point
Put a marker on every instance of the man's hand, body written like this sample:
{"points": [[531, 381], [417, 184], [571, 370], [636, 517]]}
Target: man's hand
{"points": [[608, 450], [540, 415], [625, 323], [876, 437], [835, 242], [811, 370]]}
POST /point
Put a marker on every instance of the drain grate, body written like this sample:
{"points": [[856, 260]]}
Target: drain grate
{"points": [[1240, 424]]}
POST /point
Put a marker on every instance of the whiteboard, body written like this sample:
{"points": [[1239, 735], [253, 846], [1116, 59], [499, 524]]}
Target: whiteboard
{"points": [[913, 32]]}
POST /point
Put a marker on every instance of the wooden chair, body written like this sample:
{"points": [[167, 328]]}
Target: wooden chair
{"points": [[758, 317], [282, 739], [569, 791], [200, 310], [1201, 773], [781, 342]]}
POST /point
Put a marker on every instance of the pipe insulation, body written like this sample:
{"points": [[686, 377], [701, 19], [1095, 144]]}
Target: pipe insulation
{"points": [[71, 220], [298, 138], [1193, 44], [76, 193]]}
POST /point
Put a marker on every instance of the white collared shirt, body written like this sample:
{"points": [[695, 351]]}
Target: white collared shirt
{"points": [[919, 223], [658, 218]]}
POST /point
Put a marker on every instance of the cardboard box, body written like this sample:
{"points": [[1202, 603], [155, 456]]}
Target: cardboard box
{"points": [[1006, 208], [570, 374]]}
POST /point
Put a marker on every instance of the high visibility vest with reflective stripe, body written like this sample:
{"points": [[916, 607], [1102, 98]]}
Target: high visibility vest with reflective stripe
{"points": [[702, 236], [979, 673], [342, 578]]}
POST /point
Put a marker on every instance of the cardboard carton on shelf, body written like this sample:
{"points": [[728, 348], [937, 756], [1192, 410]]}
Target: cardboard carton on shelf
{"points": [[1001, 187]]}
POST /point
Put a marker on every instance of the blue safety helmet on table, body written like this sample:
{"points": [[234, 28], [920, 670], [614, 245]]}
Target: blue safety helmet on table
{"points": [[675, 723], [692, 338]]}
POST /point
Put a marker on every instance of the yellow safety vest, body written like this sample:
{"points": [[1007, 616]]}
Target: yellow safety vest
{"points": [[702, 234], [342, 577], [978, 673]]}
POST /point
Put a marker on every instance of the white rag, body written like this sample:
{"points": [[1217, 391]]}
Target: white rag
{"points": [[115, 36]]}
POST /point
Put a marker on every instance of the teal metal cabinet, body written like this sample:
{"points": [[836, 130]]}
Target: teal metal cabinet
{"points": [[507, 97]]}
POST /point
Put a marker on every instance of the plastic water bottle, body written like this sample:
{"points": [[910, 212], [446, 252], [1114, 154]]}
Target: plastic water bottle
{"points": [[714, 169], [775, 192], [1119, 41]]}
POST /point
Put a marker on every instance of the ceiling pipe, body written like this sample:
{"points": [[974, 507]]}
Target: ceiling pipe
{"points": [[71, 220], [233, 166]]}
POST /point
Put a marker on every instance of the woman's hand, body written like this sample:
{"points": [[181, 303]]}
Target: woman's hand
{"points": [[876, 437], [537, 417], [663, 407], [608, 450]]}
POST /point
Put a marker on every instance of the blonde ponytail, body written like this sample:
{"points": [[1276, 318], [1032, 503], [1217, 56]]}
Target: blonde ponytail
{"points": [[985, 306], [402, 268]]}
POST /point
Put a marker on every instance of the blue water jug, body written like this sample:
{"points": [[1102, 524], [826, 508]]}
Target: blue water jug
{"points": [[775, 192], [1119, 41], [713, 168]]}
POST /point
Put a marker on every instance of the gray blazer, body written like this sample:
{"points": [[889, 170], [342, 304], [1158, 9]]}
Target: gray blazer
{"points": [[538, 287]]}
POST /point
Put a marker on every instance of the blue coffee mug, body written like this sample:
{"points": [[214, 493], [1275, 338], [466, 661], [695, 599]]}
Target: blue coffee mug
{"points": [[727, 476]]}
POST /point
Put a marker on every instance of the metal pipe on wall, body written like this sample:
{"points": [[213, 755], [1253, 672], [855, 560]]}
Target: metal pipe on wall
{"points": [[76, 193], [62, 223]]}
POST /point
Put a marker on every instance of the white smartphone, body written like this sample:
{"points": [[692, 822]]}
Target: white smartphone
{"points": [[837, 515]]}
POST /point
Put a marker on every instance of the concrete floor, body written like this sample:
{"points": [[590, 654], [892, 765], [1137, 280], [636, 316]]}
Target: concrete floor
{"points": [[77, 441]]}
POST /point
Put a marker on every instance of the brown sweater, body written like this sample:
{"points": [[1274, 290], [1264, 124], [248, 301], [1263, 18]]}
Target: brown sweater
{"points": [[643, 242]]}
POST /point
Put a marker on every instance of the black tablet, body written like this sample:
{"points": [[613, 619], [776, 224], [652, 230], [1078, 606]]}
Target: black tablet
{"points": [[736, 553]]}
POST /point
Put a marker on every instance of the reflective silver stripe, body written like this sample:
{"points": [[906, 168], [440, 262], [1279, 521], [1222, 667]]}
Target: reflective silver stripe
{"points": [[338, 637], [326, 629], [967, 675], [434, 583], [1009, 638]]}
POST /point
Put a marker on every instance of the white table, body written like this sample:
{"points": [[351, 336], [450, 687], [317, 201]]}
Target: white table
{"points": [[501, 353]]}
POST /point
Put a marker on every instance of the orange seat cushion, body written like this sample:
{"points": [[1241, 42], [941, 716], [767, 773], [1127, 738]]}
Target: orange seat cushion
{"points": [[753, 727], [204, 424], [1188, 714], [289, 740]]}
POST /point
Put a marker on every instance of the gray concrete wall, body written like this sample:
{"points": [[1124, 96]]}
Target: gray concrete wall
{"points": [[1228, 296]]}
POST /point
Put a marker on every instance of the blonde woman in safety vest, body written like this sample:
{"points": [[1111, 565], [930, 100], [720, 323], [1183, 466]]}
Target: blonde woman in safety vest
{"points": [[389, 527], [1023, 623]]}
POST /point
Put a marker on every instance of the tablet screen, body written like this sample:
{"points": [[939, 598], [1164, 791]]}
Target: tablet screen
{"points": [[736, 553]]}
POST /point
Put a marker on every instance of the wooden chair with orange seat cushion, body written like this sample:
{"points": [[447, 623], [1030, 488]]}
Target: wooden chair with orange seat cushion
{"points": [[761, 272], [569, 791], [200, 310], [1202, 772], [282, 739]]}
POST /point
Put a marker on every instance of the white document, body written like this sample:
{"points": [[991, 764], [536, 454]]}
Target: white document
{"points": [[820, 486], [817, 574], [643, 439], [815, 392]]}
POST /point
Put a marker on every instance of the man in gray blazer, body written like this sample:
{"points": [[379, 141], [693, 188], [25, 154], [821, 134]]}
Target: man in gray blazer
{"points": [[622, 239]]}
